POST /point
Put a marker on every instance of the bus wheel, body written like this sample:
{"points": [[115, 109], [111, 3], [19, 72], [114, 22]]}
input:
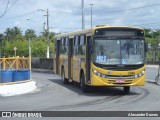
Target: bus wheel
{"points": [[126, 89], [83, 85], [65, 81]]}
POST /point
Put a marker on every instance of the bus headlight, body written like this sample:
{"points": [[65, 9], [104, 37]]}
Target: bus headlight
{"points": [[95, 72], [136, 76], [98, 73], [143, 72], [140, 74], [103, 76]]}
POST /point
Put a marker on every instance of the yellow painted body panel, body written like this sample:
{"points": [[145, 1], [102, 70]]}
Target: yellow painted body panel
{"points": [[100, 81], [75, 69], [78, 64]]}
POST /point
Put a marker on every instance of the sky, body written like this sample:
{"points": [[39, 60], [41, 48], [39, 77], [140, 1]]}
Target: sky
{"points": [[66, 15]]}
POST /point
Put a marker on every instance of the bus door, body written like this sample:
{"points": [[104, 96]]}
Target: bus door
{"points": [[75, 69], [70, 58], [65, 55], [88, 57], [57, 47]]}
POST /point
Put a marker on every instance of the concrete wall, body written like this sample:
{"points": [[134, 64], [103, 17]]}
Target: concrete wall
{"points": [[47, 63], [44, 63]]}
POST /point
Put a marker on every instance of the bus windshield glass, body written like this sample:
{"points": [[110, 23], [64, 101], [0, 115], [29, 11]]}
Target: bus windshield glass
{"points": [[119, 51]]}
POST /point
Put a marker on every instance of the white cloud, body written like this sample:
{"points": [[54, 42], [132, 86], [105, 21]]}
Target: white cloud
{"points": [[102, 9], [18, 23]]}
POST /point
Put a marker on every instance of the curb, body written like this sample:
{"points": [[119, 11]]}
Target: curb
{"points": [[42, 71], [18, 82]]}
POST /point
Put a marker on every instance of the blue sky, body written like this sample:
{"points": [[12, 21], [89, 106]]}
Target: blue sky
{"points": [[65, 15]]}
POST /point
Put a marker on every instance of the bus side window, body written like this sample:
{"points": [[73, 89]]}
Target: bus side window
{"points": [[61, 44], [66, 46], [81, 48], [76, 43], [63, 49]]}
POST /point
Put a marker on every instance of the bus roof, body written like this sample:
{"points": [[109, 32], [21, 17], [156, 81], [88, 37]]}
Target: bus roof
{"points": [[86, 31]]}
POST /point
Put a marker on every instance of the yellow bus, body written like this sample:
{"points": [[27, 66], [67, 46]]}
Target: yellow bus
{"points": [[102, 56]]}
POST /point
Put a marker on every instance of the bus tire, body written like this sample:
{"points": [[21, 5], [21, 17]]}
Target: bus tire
{"points": [[65, 81], [126, 89], [83, 84]]}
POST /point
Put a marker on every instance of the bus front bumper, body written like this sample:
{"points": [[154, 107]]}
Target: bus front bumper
{"points": [[99, 81]]}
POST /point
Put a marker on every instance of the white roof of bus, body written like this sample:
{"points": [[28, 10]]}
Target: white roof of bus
{"points": [[92, 29]]}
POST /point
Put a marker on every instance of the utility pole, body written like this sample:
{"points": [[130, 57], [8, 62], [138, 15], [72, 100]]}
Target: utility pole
{"points": [[47, 31], [83, 14], [30, 53], [91, 14], [48, 42]]}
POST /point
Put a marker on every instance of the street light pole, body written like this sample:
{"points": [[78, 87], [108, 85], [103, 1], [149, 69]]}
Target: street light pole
{"points": [[48, 42], [29, 46], [91, 14], [82, 14], [47, 30]]}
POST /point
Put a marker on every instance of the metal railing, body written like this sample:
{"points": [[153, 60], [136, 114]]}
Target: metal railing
{"points": [[15, 63]]}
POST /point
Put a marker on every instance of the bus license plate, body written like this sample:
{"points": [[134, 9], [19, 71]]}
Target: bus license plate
{"points": [[120, 81]]}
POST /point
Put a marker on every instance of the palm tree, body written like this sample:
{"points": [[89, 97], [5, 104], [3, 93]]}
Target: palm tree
{"points": [[8, 34], [13, 33], [51, 36], [30, 33], [1, 38], [16, 33]]}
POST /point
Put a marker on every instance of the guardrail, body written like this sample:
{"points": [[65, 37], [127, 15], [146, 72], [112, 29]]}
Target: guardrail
{"points": [[15, 63], [14, 70]]}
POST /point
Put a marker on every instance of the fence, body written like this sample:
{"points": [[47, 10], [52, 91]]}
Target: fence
{"points": [[14, 69], [15, 63]]}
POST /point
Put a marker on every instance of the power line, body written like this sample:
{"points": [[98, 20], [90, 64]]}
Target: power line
{"points": [[12, 5], [32, 13], [60, 12], [5, 10], [23, 15]]}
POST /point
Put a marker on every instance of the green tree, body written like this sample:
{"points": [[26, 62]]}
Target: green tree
{"points": [[7, 34], [13, 37], [153, 39], [13, 34], [1, 38], [30, 33]]}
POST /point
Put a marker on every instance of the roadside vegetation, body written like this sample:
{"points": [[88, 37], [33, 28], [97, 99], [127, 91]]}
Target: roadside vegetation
{"points": [[13, 37]]}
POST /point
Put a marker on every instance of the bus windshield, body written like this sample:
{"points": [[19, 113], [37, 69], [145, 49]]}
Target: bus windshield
{"points": [[119, 51]]}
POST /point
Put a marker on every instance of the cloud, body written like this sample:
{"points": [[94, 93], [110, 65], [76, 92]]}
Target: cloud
{"points": [[65, 14], [18, 23]]}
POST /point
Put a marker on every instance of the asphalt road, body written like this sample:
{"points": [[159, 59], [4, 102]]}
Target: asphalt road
{"points": [[53, 95]]}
